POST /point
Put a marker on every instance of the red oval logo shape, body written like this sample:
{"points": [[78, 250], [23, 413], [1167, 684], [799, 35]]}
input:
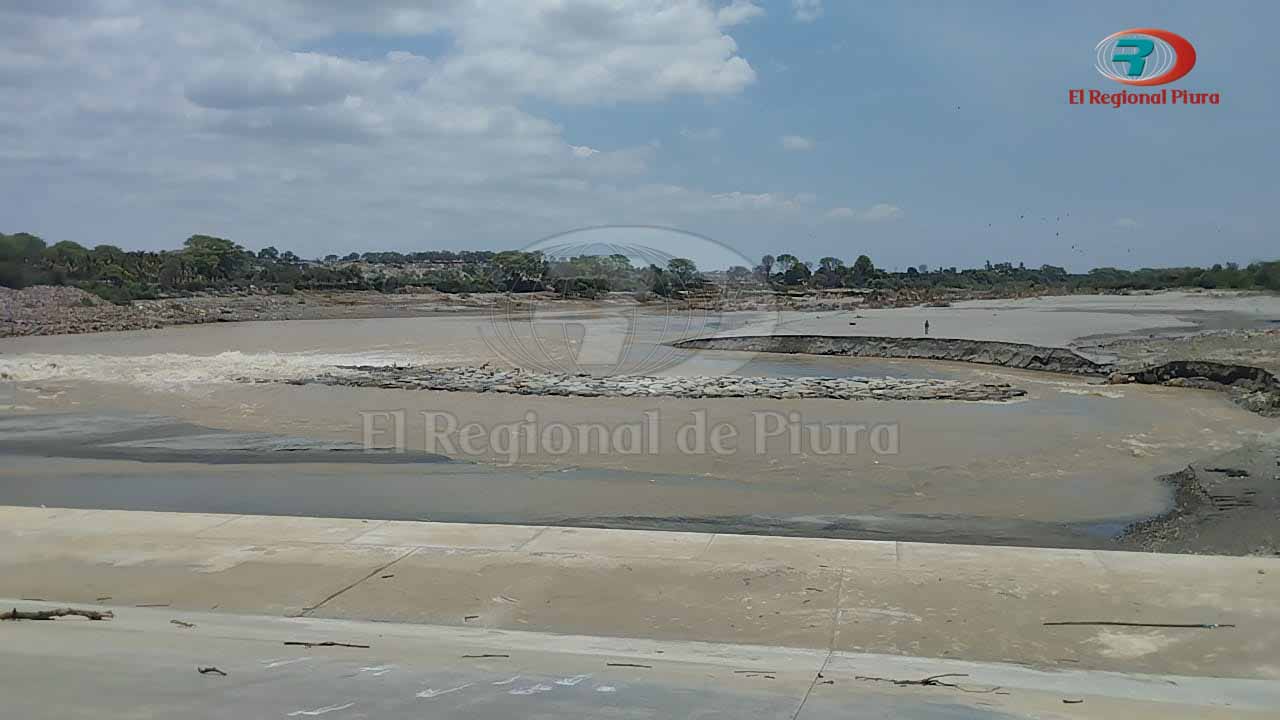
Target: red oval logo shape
{"points": [[1145, 56]]}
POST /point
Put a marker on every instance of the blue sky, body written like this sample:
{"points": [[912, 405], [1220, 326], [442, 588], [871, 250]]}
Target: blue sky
{"points": [[930, 133]]}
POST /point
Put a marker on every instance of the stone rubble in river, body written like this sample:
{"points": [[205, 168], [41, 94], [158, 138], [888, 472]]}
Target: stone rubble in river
{"points": [[520, 382]]}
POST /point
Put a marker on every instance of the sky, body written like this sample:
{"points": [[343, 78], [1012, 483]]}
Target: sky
{"points": [[932, 133]]}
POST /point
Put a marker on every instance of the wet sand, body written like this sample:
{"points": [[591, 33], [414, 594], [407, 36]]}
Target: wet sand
{"points": [[1226, 504]]}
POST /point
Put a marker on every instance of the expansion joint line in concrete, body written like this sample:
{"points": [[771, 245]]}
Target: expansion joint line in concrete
{"points": [[536, 535], [813, 683], [835, 612], [831, 647], [307, 611], [706, 547]]}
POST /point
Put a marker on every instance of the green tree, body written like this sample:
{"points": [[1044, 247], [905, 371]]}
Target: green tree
{"points": [[214, 259], [519, 271], [71, 257], [830, 272], [659, 282], [862, 271], [684, 272], [796, 274], [174, 274], [765, 268]]}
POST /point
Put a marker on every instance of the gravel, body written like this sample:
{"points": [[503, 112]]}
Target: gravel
{"points": [[520, 382]]}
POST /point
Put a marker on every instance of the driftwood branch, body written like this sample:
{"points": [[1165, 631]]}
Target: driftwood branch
{"points": [[210, 671], [1117, 623], [326, 643], [932, 681], [16, 614]]}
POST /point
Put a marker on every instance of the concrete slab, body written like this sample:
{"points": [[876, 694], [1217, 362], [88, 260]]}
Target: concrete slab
{"points": [[124, 522], [1000, 616], [995, 560], [188, 573], [802, 552], [1017, 690], [635, 544], [977, 603], [17, 519], [293, 529], [141, 665], [627, 597], [449, 535]]}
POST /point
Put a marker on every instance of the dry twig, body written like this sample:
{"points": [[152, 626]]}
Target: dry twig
{"points": [[932, 681], [1117, 623], [326, 643]]}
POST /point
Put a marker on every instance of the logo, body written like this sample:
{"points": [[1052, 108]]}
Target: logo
{"points": [[1144, 57]]}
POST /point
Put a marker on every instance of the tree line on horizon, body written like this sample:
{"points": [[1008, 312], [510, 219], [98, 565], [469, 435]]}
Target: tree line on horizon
{"points": [[206, 263]]}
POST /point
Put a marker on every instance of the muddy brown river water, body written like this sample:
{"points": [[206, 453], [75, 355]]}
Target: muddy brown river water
{"points": [[1069, 464]]}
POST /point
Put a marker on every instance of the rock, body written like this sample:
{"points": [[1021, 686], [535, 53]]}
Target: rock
{"points": [[1017, 355], [530, 383]]}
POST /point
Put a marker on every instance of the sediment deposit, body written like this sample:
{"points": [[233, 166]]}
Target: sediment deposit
{"points": [[1015, 355], [520, 382]]}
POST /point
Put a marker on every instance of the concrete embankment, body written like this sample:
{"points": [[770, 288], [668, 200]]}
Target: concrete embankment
{"points": [[986, 352], [1208, 616], [143, 662]]}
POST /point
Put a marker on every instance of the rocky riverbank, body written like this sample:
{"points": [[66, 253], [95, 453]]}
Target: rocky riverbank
{"points": [[1253, 388], [519, 382], [1015, 355], [62, 310], [1250, 387]]}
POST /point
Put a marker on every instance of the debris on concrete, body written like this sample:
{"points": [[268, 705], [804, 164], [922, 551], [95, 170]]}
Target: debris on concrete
{"points": [[326, 643], [1116, 623], [16, 614], [935, 681]]}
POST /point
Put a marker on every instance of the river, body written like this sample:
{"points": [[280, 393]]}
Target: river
{"points": [[1069, 464]]}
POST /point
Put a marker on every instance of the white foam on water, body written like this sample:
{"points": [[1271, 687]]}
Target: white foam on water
{"points": [[179, 371]]}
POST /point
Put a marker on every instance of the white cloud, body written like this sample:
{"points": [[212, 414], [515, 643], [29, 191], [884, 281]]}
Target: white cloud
{"points": [[243, 118], [880, 212], [701, 135], [1127, 223], [796, 142], [278, 79], [595, 51], [806, 10], [762, 201], [738, 12]]}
